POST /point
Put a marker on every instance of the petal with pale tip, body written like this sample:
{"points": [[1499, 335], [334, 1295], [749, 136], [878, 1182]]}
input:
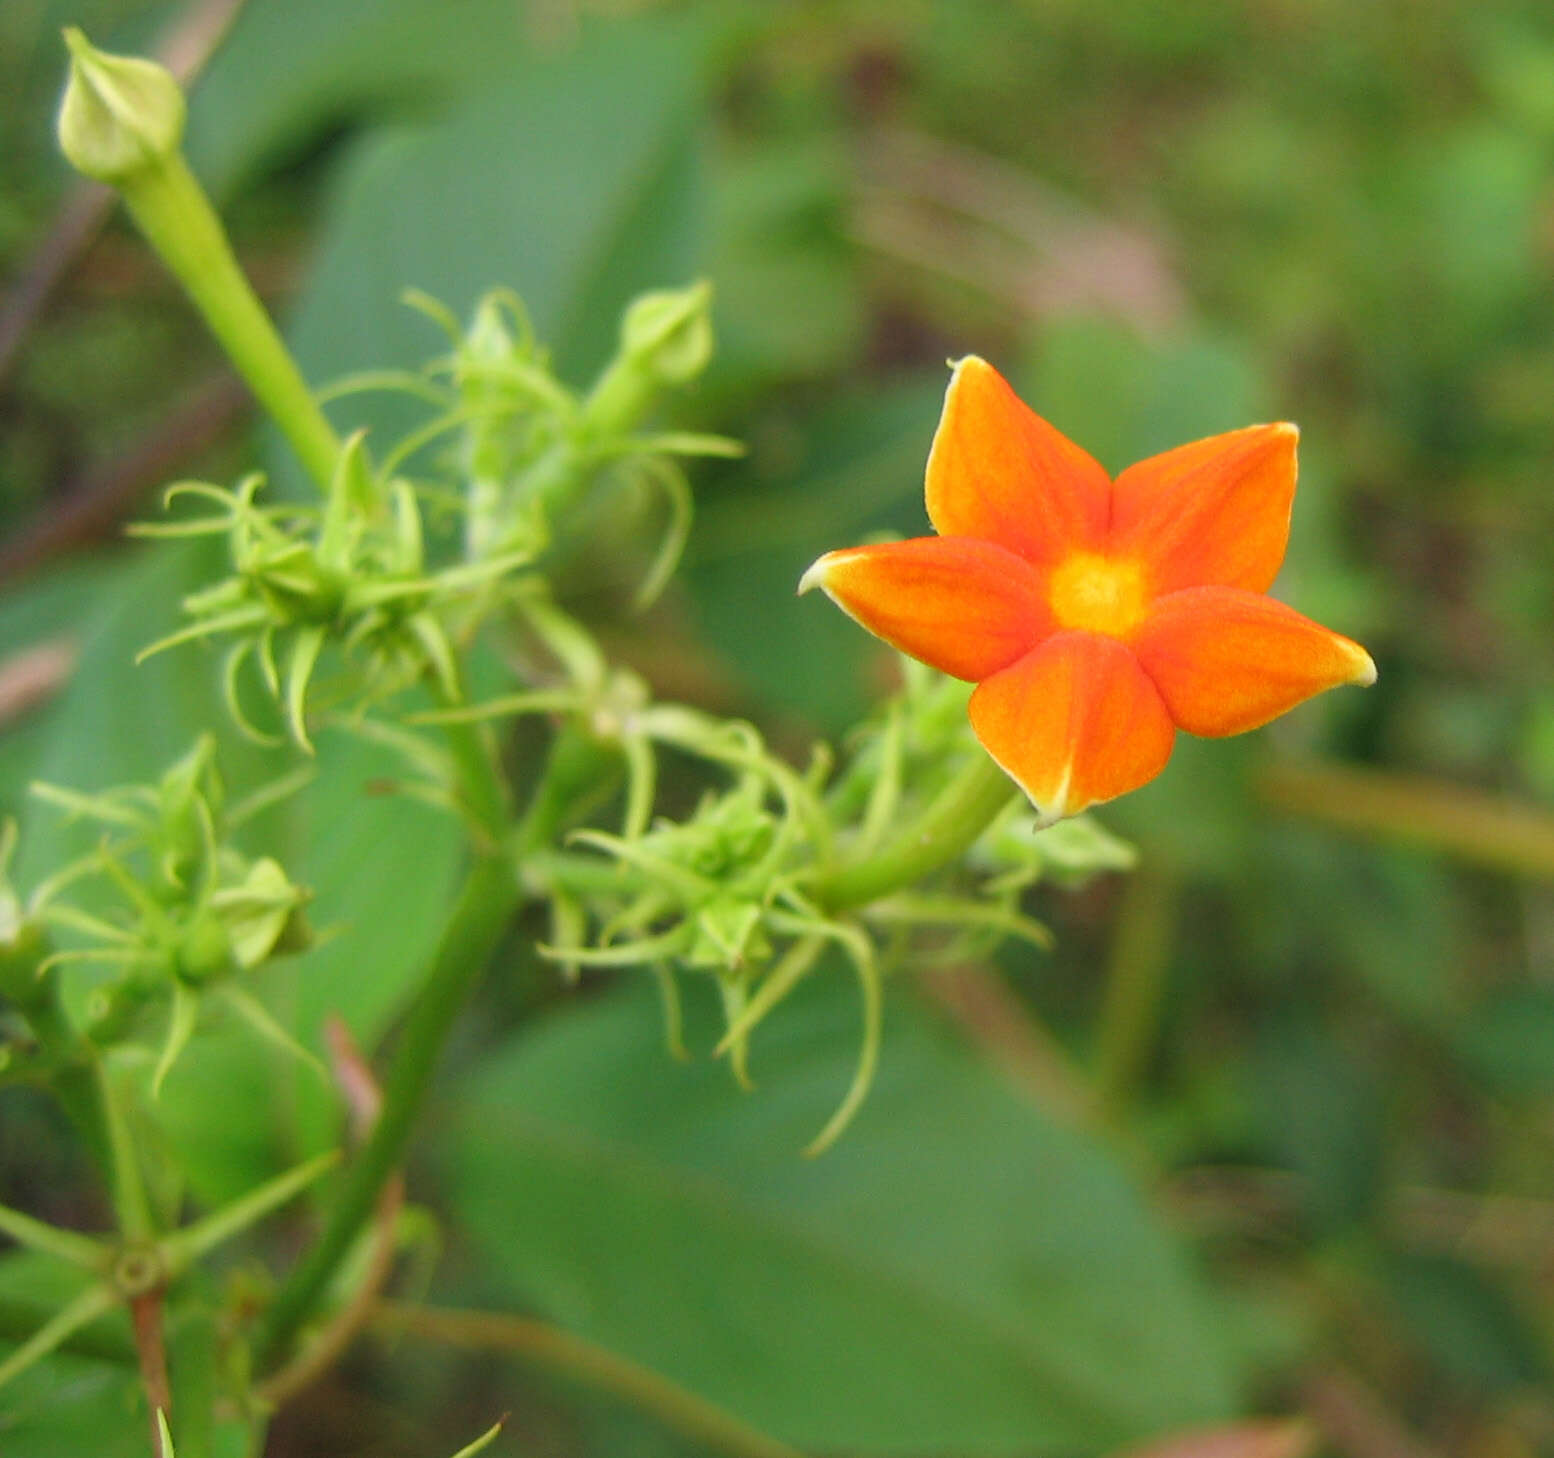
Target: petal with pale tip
{"points": [[1074, 722], [1226, 661], [1212, 513], [961, 605], [998, 471]]}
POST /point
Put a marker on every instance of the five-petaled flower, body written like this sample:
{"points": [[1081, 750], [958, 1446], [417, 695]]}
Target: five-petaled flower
{"points": [[1096, 617]]}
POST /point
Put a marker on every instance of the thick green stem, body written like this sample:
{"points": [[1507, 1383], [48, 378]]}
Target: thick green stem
{"points": [[944, 831], [175, 215], [481, 784], [491, 894], [487, 901], [131, 1205]]}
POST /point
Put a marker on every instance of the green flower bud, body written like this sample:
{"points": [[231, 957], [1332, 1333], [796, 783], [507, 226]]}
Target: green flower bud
{"points": [[23, 945], [264, 916], [728, 936], [119, 114], [669, 332], [488, 340], [204, 950], [189, 797]]}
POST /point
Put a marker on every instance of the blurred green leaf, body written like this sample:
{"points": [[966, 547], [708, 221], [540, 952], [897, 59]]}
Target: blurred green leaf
{"points": [[66, 1406], [44, 614], [789, 301], [287, 74], [1123, 396], [1322, 1118], [1471, 1329], [577, 183], [960, 1274], [1508, 1042], [855, 467]]}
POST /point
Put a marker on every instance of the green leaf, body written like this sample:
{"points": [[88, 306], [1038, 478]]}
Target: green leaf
{"points": [[959, 1274], [577, 182], [39, 618], [857, 468], [67, 1405], [288, 74], [788, 296], [1322, 1116], [1508, 1042], [1472, 1329]]}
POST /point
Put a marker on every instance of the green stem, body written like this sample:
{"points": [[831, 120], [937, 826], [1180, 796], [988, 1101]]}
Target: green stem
{"points": [[942, 833], [131, 1206], [1130, 1015], [620, 398], [490, 895], [1483, 829], [678, 1408], [487, 901], [482, 785], [173, 212]]}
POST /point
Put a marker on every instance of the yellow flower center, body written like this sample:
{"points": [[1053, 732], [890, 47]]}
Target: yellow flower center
{"points": [[1098, 594]]}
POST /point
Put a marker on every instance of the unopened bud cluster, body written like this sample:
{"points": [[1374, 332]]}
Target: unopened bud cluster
{"points": [[164, 901]]}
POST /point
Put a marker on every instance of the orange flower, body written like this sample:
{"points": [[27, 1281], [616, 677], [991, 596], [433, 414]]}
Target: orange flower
{"points": [[1096, 617]]}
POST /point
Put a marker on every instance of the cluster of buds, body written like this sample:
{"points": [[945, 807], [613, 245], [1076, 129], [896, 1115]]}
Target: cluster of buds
{"points": [[529, 447], [354, 570], [164, 901]]}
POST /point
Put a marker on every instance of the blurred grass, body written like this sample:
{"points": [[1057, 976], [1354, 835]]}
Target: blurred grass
{"points": [[1162, 221]]}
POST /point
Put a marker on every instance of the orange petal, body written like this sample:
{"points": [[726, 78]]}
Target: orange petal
{"points": [[960, 604], [997, 470], [1075, 721], [1213, 513], [1226, 660]]}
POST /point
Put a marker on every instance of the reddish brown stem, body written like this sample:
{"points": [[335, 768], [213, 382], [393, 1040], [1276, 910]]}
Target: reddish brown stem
{"points": [[146, 1317]]}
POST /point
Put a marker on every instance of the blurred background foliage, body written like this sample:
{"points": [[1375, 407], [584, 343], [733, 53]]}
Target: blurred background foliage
{"points": [[1270, 1131]]}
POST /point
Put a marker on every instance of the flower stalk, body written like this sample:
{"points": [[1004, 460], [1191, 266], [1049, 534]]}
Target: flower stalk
{"points": [[121, 121], [947, 828]]}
